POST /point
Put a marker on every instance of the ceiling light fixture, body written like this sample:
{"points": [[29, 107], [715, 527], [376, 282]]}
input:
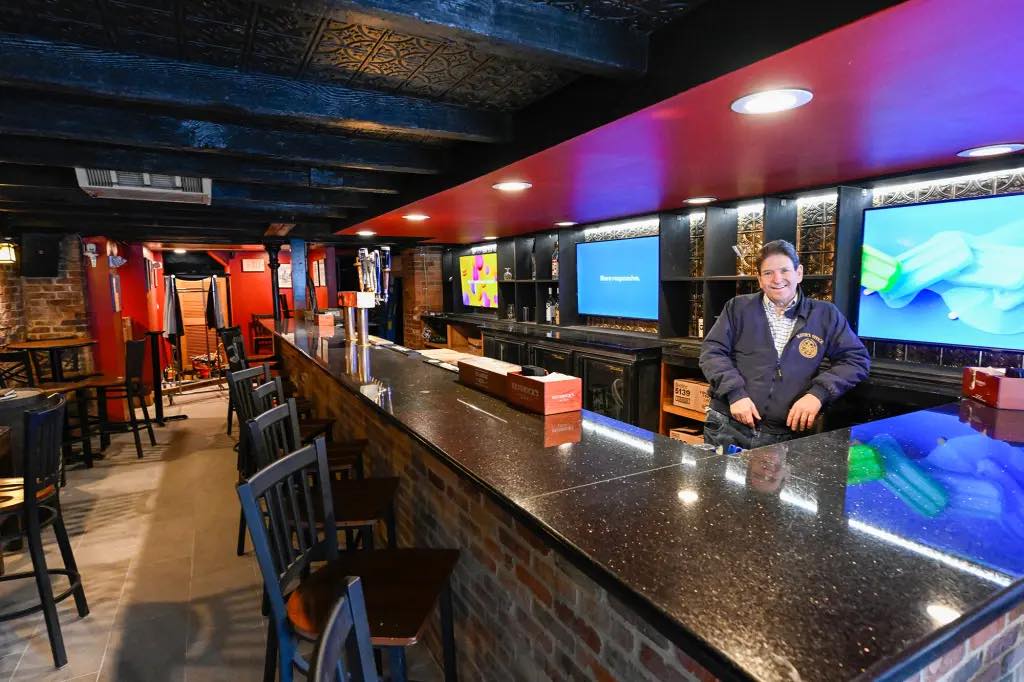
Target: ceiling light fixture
{"points": [[699, 201], [416, 217], [7, 255], [366, 233], [772, 101], [512, 186], [990, 150], [180, 251], [564, 223]]}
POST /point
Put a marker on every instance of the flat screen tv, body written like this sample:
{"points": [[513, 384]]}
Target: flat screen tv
{"points": [[479, 275], [949, 272], [618, 278]]}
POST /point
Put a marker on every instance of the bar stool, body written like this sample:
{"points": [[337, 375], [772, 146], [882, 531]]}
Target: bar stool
{"points": [[401, 586], [347, 632], [35, 500], [15, 369], [128, 387], [234, 349], [358, 504], [261, 336]]}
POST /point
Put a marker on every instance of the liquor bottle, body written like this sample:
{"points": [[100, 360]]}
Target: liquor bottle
{"points": [[549, 308], [554, 261], [557, 319], [533, 259]]}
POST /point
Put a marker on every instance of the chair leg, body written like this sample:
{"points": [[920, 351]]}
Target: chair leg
{"points": [[103, 416], [392, 531], [231, 411], [241, 534], [69, 563], [82, 412], [270, 662], [451, 673], [35, 548], [148, 421], [396, 664], [134, 423]]}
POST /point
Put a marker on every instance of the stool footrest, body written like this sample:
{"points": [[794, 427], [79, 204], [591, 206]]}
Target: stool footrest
{"points": [[76, 582]]}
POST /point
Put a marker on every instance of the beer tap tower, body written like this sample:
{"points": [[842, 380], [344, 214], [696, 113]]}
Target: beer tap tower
{"points": [[373, 269]]}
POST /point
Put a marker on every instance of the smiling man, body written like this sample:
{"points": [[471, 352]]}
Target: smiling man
{"points": [[765, 357]]}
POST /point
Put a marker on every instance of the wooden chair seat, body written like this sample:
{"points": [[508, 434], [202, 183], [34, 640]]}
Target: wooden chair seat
{"points": [[12, 494], [309, 429], [260, 359], [64, 386], [347, 455], [362, 503], [401, 587], [106, 381]]}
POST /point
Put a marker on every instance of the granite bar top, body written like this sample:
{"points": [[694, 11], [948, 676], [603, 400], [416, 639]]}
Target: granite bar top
{"points": [[832, 557]]}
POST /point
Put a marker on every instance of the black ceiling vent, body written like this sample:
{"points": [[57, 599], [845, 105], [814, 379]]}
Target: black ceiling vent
{"points": [[191, 263]]}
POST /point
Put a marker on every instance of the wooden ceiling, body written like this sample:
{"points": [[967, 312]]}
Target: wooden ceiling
{"points": [[323, 113]]}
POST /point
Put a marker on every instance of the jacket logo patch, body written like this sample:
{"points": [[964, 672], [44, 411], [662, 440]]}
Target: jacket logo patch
{"points": [[808, 348]]}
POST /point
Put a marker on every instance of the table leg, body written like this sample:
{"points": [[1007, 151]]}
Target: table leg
{"points": [[56, 369], [81, 396], [101, 410]]}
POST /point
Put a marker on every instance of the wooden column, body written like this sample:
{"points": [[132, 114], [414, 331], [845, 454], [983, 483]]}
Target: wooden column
{"points": [[275, 290]]}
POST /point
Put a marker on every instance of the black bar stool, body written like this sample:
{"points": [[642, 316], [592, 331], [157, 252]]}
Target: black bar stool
{"points": [[35, 500], [346, 636], [129, 387], [234, 349]]}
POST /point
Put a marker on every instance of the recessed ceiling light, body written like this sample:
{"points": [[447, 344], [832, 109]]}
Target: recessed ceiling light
{"points": [[366, 233], [991, 150], [512, 186], [416, 217], [772, 101], [489, 237], [695, 201], [180, 251], [564, 223]]}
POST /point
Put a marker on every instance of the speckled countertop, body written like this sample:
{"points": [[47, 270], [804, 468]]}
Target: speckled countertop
{"points": [[827, 558]]}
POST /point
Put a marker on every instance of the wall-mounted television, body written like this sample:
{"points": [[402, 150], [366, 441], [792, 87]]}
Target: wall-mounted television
{"points": [[949, 272], [618, 278], [479, 275]]}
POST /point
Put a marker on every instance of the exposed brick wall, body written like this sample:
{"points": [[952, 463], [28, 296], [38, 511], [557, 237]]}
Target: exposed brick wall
{"points": [[12, 312], [421, 290], [522, 610], [55, 306], [996, 652]]}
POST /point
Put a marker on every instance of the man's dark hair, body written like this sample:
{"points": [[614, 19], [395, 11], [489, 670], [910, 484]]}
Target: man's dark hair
{"points": [[779, 247]]}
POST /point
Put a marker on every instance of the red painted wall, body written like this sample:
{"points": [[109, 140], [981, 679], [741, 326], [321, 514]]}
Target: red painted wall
{"points": [[104, 321], [314, 254], [250, 291]]}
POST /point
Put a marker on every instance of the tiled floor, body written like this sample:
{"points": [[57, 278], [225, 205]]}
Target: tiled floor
{"points": [[155, 542]]}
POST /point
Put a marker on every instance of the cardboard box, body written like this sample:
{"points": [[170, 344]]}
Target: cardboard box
{"points": [[687, 434], [991, 386], [693, 395], [563, 427], [325, 321], [486, 374], [1005, 425], [546, 395]]}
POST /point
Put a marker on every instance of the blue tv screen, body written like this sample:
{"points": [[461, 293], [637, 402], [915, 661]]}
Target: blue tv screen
{"points": [[618, 278], [948, 272]]}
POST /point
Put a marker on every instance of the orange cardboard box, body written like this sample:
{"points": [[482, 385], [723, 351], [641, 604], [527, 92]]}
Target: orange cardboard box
{"points": [[563, 427], [487, 375], [991, 386], [687, 434], [693, 395], [547, 394]]}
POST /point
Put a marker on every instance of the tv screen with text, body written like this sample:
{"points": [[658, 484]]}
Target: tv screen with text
{"points": [[618, 278], [950, 272]]}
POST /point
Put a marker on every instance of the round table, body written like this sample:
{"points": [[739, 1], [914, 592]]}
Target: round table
{"points": [[12, 415], [54, 348]]}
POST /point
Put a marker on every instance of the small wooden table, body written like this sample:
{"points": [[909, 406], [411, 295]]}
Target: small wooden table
{"points": [[54, 348]]}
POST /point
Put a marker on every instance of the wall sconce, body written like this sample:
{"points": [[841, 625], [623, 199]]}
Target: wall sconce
{"points": [[7, 254]]}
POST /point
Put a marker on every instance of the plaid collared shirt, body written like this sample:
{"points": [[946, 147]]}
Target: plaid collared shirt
{"points": [[781, 326]]}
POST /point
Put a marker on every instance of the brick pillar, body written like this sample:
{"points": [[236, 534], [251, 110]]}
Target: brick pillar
{"points": [[12, 312], [421, 290]]}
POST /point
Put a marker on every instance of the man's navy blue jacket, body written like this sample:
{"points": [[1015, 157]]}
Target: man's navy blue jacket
{"points": [[739, 359]]}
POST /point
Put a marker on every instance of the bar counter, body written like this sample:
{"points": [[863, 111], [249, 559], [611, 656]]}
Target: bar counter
{"points": [[621, 552]]}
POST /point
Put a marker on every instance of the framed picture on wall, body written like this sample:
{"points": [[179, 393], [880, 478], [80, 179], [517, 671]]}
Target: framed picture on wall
{"points": [[284, 275], [252, 265]]}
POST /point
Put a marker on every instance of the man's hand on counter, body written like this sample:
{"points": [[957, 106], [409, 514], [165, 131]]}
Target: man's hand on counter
{"points": [[803, 413], [745, 412]]}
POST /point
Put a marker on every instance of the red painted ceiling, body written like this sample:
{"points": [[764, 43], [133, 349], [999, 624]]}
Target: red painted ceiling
{"points": [[900, 90]]}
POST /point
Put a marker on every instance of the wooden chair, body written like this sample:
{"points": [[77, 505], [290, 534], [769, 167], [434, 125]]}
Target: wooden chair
{"points": [[16, 369], [35, 500], [129, 387], [262, 338], [358, 504], [402, 586], [347, 633], [238, 359]]}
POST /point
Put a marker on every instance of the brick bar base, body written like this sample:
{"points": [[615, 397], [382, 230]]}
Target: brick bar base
{"points": [[522, 611]]}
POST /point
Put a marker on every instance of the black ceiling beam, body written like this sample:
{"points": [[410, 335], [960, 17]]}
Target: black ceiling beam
{"points": [[279, 211], [41, 152], [713, 39], [532, 31], [62, 67], [16, 175], [42, 117]]}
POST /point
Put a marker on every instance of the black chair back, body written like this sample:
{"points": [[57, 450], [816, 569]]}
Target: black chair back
{"points": [[282, 300], [42, 459], [234, 348], [241, 384], [273, 434], [344, 650], [290, 516], [16, 369], [134, 357], [268, 395]]}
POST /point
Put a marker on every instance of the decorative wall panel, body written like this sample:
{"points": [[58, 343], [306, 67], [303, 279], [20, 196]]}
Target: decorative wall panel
{"points": [[621, 323], [696, 310], [816, 235], [749, 239], [697, 219], [643, 15], [625, 229]]}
